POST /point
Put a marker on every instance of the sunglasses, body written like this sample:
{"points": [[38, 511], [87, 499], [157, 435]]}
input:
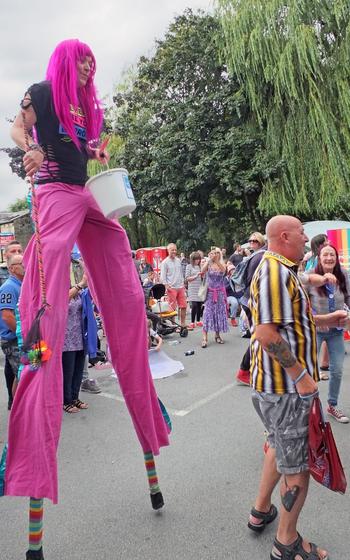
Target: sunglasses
{"points": [[253, 241]]}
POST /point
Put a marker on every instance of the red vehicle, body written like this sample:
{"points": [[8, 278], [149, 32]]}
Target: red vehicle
{"points": [[154, 256]]}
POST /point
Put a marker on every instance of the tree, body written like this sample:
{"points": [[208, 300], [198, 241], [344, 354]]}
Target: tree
{"points": [[291, 59], [19, 204], [16, 160], [196, 163]]}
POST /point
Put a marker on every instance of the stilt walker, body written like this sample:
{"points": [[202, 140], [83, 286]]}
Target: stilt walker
{"points": [[66, 115]]}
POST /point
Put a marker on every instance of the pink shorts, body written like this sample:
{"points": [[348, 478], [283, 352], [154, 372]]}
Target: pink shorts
{"points": [[177, 298]]}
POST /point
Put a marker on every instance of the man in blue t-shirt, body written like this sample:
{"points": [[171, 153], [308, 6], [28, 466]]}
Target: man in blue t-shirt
{"points": [[9, 296]]}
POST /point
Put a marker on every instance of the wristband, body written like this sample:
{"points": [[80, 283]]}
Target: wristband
{"points": [[36, 148], [300, 376]]}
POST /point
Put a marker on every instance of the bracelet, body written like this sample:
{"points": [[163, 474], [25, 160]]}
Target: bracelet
{"points": [[78, 288], [300, 376], [36, 148]]}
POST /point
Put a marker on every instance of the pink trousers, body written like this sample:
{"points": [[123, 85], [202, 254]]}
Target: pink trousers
{"points": [[68, 213]]}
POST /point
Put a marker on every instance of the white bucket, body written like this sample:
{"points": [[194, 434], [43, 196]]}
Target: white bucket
{"points": [[112, 192]]}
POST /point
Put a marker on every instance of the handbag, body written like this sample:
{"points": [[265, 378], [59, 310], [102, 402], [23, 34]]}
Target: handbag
{"points": [[324, 461], [203, 290]]}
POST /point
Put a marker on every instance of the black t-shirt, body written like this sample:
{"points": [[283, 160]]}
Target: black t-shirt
{"points": [[64, 162], [236, 258]]}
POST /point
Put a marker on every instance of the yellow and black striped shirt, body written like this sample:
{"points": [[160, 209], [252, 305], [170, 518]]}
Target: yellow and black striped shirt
{"points": [[277, 296]]}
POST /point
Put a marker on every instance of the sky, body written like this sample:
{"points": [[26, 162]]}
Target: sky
{"points": [[118, 32]]}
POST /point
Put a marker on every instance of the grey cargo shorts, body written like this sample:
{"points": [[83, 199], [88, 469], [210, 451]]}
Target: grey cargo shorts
{"points": [[286, 419]]}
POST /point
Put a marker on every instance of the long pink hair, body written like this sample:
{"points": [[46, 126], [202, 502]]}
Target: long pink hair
{"points": [[62, 73]]}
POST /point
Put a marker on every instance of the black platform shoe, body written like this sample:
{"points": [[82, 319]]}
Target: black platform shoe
{"points": [[157, 500], [35, 554]]}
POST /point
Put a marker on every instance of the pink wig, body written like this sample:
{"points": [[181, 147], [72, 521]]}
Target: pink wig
{"points": [[62, 73]]}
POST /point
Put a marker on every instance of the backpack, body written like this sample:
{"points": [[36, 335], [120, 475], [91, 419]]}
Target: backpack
{"points": [[239, 279]]}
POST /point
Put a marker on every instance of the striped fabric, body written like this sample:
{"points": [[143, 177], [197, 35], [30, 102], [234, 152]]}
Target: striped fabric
{"points": [[151, 473], [277, 296], [36, 507], [193, 286]]}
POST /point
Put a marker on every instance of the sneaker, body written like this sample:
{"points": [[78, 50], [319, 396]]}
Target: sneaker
{"points": [[243, 377], [199, 324], [191, 326], [90, 386], [234, 323], [337, 414]]}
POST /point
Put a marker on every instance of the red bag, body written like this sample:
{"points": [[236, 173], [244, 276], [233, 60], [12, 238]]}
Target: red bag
{"points": [[324, 461]]}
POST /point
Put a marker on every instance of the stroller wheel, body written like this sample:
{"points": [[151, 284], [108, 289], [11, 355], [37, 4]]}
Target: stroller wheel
{"points": [[184, 332]]}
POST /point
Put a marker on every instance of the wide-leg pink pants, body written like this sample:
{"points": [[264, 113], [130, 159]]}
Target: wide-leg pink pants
{"points": [[68, 213]]}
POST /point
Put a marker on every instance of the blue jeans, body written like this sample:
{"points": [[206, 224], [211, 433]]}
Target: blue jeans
{"points": [[335, 344]]}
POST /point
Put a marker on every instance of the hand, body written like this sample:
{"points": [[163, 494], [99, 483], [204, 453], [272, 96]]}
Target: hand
{"points": [[306, 386], [335, 319], [32, 161], [340, 317], [329, 278], [102, 156]]}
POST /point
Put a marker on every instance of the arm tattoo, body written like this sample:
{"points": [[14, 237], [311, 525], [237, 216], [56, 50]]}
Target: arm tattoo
{"points": [[281, 352]]}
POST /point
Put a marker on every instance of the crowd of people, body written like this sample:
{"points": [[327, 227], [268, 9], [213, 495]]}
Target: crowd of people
{"points": [[203, 289], [287, 314]]}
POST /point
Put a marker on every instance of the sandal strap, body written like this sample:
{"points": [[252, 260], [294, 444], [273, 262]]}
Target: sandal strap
{"points": [[264, 515], [78, 403], [68, 407], [290, 551]]}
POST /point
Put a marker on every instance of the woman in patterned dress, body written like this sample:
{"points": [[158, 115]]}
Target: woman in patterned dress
{"points": [[215, 311]]}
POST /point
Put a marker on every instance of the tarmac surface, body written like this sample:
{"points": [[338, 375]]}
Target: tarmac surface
{"points": [[208, 475]]}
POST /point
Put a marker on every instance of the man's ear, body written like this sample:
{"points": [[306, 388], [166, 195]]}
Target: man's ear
{"points": [[284, 236]]}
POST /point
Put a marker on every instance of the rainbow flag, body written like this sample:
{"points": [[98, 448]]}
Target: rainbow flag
{"points": [[340, 239]]}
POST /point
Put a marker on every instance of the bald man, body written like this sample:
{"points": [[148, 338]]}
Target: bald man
{"points": [[284, 375]]}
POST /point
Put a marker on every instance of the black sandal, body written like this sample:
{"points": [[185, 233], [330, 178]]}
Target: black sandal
{"points": [[70, 408], [80, 404], [290, 552], [266, 517]]}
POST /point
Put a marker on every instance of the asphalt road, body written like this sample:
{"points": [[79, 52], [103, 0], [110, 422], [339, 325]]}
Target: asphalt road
{"points": [[208, 475]]}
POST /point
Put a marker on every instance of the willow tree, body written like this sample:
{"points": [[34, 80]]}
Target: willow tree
{"points": [[291, 58]]}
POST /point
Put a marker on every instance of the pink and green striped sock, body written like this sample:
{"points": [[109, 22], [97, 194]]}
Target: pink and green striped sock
{"points": [[36, 510], [151, 473]]}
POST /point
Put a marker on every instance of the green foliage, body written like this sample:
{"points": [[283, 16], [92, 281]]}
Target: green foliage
{"points": [[19, 204], [291, 59], [197, 165]]}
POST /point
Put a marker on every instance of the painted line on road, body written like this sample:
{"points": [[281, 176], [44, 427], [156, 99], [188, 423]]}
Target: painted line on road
{"points": [[185, 411]]}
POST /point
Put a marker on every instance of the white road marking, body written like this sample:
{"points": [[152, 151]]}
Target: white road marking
{"points": [[185, 411]]}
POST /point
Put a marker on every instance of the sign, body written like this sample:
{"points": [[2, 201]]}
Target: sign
{"points": [[5, 238]]}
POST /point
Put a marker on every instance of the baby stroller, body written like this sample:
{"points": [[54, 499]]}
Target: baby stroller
{"points": [[160, 313]]}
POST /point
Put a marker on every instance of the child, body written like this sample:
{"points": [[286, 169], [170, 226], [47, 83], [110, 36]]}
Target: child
{"points": [[153, 337]]}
